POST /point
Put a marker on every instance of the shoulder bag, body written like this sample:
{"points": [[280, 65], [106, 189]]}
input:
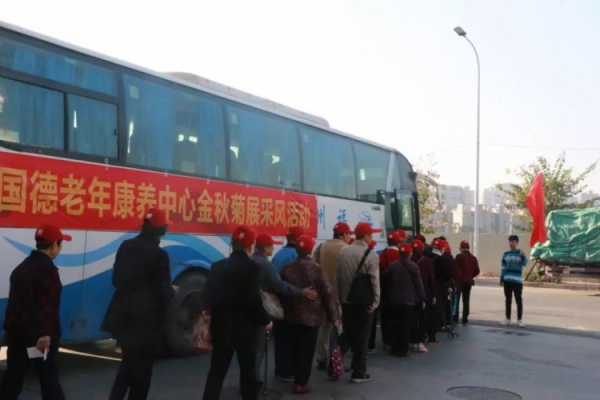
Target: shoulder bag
{"points": [[361, 292]]}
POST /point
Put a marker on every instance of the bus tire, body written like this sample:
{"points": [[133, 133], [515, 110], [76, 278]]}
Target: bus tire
{"points": [[187, 304]]}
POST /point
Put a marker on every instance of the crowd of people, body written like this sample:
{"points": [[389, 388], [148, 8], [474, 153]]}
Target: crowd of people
{"points": [[340, 287], [305, 296]]}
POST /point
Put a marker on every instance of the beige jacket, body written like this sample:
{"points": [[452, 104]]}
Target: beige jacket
{"points": [[350, 257], [327, 255]]}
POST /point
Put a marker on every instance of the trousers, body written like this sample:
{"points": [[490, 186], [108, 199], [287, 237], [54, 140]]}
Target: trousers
{"points": [[219, 365], [516, 289], [464, 291], [356, 323], [298, 352], [134, 375], [17, 364]]}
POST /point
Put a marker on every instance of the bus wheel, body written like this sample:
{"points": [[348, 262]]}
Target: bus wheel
{"points": [[187, 305]]}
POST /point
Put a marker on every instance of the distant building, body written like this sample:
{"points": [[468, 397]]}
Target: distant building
{"points": [[451, 196], [492, 196]]}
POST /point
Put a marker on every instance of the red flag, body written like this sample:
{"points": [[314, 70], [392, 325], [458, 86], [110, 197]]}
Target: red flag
{"points": [[536, 203]]}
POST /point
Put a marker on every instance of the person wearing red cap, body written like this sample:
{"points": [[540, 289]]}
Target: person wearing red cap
{"points": [[288, 253], [444, 269], [138, 314], [359, 293], [32, 316], [238, 317], [467, 268], [327, 255], [402, 235], [271, 282], [426, 326], [386, 257], [405, 293], [303, 317]]}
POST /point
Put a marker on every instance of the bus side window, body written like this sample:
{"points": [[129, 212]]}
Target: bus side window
{"points": [[31, 115], [328, 163], [372, 167]]}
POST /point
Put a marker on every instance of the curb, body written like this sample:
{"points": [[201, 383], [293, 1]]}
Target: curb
{"points": [[592, 287]]}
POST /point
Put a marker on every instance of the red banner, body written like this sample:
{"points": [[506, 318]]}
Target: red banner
{"points": [[78, 195], [536, 204]]}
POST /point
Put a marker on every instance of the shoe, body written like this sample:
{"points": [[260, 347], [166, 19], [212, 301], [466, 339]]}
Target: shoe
{"points": [[301, 389], [435, 341], [286, 379], [421, 348], [506, 322], [322, 366], [364, 379], [465, 321], [520, 324], [371, 351]]}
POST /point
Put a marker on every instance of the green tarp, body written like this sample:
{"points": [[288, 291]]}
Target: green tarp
{"points": [[573, 237]]}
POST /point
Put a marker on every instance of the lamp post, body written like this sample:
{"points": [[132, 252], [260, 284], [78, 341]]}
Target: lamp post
{"points": [[460, 32]]}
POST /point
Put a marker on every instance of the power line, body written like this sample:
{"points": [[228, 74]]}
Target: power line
{"points": [[523, 146]]}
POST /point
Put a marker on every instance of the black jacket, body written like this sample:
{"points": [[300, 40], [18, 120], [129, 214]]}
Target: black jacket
{"points": [[233, 295], [137, 315], [444, 267]]}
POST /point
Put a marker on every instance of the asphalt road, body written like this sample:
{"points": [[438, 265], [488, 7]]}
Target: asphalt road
{"points": [[554, 357], [551, 309]]}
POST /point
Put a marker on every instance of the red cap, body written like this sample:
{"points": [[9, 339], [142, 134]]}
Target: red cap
{"points": [[342, 227], [264, 240], [421, 238], [437, 244], [364, 228], [405, 248], [294, 232], [244, 236], [464, 244], [352, 240], [50, 234], [373, 244], [305, 243], [402, 234], [418, 245], [394, 237], [157, 217]]}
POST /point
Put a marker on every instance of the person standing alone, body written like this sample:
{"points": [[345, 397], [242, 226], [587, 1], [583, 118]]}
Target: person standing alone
{"points": [[32, 317], [511, 277]]}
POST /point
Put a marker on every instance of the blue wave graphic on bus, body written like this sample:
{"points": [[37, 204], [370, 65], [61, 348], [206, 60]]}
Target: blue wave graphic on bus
{"points": [[198, 249]]}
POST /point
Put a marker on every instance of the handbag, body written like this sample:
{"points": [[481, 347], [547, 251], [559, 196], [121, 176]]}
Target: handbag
{"points": [[336, 362], [201, 338], [272, 305], [361, 292]]}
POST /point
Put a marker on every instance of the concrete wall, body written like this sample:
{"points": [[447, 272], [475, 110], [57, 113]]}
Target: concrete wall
{"points": [[491, 248]]}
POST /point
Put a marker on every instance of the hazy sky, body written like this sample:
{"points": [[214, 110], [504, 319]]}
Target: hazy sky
{"points": [[389, 70]]}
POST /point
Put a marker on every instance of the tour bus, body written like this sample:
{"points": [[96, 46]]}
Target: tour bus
{"points": [[90, 143]]}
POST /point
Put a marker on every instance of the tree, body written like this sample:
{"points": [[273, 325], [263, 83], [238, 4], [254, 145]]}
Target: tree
{"points": [[560, 185], [429, 202]]}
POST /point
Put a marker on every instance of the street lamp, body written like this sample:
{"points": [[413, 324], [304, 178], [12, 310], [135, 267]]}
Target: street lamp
{"points": [[460, 32]]}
